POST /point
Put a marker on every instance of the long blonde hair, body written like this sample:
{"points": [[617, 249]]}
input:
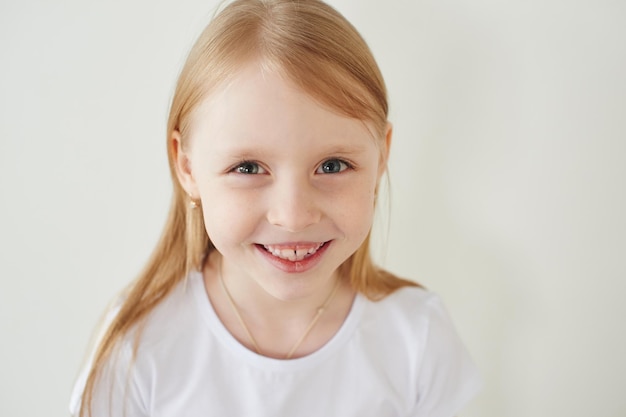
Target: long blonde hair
{"points": [[318, 49]]}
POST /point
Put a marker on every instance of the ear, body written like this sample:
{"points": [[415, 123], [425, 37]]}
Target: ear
{"points": [[384, 151], [182, 164]]}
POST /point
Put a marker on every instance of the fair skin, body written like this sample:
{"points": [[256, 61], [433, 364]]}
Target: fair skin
{"points": [[287, 189]]}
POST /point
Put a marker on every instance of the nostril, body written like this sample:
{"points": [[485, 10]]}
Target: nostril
{"points": [[293, 204]]}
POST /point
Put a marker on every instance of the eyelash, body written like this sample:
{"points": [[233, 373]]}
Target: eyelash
{"points": [[254, 168]]}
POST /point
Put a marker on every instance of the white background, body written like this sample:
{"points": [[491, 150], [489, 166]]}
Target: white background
{"points": [[507, 170]]}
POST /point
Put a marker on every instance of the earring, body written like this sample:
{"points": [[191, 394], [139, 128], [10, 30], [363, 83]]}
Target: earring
{"points": [[192, 203]]}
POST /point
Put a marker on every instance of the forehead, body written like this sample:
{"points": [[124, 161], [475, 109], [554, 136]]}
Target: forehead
{"points": [[258, 104]]}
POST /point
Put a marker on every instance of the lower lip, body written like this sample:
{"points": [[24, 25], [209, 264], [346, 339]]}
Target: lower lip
{"points": [[292, 267]]}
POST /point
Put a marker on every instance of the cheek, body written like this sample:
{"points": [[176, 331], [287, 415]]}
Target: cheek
{"points": [[230, 219], [357, 208]]}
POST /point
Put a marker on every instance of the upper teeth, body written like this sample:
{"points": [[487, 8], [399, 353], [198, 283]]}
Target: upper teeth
{"points": [[293, 253]]}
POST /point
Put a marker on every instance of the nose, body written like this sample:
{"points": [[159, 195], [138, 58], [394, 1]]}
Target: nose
{"points": [[294, 205]]}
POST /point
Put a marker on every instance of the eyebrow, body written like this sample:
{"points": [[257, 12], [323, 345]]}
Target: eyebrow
{"points": [[245, 153], [346, 150], [254, 152]]}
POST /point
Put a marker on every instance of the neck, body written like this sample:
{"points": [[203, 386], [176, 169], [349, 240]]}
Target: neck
{"points": [[285, 299], [276, 319]]}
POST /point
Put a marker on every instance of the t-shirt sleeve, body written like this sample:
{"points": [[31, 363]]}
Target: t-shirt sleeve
{"points": [[447, 377]]}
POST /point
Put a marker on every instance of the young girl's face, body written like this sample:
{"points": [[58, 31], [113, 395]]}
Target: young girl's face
{"points": [[287, 186]]}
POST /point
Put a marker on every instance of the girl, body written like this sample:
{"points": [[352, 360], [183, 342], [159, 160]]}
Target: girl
{"points": [[261, 298]]}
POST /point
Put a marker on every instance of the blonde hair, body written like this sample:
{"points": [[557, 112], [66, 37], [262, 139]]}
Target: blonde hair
{"points": [[318, 49]]}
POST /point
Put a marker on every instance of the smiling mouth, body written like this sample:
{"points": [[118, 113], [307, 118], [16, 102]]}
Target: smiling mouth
{"points": [[293, 253]]}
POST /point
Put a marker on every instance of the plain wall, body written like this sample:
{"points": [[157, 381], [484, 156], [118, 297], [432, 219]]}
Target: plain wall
{"points": [[507, 172]]}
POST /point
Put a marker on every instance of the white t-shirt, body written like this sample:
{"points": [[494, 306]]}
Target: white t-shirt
{"points": [[396, 357]]}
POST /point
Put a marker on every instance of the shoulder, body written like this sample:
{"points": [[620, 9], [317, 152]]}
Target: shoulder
{"points": [[420, 318], [406, 324], [406, 308], [164, 332], [446, 376], [411, 333], [410, 298], [171, 322], [158, 342]]}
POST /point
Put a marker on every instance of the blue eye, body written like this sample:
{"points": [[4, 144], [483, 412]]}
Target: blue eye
{"points": [[248, 168], [332, 166]]}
